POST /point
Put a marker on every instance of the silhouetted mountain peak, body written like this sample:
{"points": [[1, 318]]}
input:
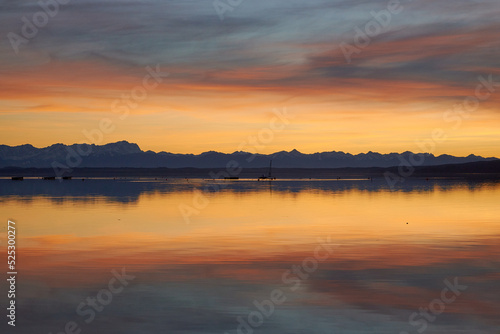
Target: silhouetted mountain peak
{"points": [[210, 153], [122, 147]]}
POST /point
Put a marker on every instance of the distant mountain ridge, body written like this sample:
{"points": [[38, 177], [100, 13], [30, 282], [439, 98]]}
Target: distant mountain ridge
{"points": [[125, 154]]}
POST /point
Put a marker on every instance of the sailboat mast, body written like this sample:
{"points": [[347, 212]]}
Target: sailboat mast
{"points": [[270, 168]]}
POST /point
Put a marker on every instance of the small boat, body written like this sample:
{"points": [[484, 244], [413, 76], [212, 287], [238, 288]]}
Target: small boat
{"points": [[269, 174], [49, 177], [17, 178], [67, 177]]}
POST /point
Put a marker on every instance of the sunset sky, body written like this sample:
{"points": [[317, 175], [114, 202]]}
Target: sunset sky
{"points": [[221, 75]]}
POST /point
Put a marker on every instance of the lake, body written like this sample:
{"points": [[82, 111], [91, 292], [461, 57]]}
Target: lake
{"points": [[288, 256]]}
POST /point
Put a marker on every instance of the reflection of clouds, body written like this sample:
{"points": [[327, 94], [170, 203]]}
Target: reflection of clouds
{"points": [[362, 295]]}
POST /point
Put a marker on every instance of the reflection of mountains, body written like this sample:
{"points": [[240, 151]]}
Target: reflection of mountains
{"points": [[129, 191], [77, 190]]}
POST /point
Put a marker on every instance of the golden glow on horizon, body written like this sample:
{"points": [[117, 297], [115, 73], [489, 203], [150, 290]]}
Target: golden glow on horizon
{"points": [[350, 115]]}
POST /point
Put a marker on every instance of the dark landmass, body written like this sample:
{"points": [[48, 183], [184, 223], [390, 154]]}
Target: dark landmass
{"points": [[482, 169]]}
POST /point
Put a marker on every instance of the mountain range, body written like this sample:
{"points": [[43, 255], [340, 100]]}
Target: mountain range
{"points": [[125, 154]]}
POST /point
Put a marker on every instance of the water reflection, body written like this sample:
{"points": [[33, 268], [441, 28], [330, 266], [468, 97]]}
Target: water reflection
{"points": [[386, 255], [129, 191]]}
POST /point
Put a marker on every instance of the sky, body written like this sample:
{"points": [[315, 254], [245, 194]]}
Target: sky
{"points": [[192, 76]]}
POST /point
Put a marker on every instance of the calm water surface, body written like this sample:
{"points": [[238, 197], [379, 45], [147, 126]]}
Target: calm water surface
{"points": [[290, 256]]}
